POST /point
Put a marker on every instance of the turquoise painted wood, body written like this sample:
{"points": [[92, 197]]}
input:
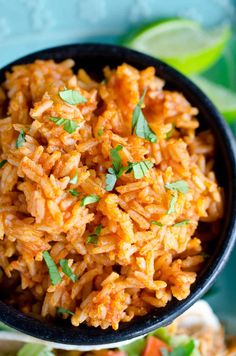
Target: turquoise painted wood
{"points": [[30, 25]]}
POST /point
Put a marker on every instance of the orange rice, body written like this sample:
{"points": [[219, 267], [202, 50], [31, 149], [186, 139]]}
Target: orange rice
{"points": [[135, 265]]}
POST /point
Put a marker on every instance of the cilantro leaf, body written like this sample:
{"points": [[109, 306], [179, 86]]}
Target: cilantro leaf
{"points": [[69, 125], [93, 238], [21, 139], [67, 270], [115, 157], [173, 200], [111, 179], [139, 124], [74, 192], [116, 170], [90, 199], [154, 222], [182, 223], [140, 169], [74, 179], [62, 310], [2, 163], [180, 185], [72, 97], [100, 132], [54, 274]]}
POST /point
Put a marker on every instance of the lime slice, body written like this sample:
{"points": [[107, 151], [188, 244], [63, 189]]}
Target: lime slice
{"points": [[223, 98], [184, 44]]}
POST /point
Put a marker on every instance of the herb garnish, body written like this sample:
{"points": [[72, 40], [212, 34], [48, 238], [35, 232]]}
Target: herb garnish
{"points": [[67, 270], [21, 139], [74, 179], [90, 199], [117, 169], [154, 222], [140, 168], [61, 310], [54, 274], [74, 192], [2, 163], [72, 97], [100, 132], [139, 124], [180, 185], [69, 125], [182, 223], [173, 200], [93, 238]]}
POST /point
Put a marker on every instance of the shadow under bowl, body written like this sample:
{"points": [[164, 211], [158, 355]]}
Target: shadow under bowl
{"points": [[94, 57]]}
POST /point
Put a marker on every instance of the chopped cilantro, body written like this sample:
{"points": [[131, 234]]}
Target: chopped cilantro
{"points": [[182, 223], [61, 310], [90, 199], [139, 124], [2, 163], [54, 274], [74, 179], [21, 139], [93, 238], [69, 125], [154, 222], [67, 270], [180, 185], [116, 170], [72, 97], [100, 132], [74, 192], [140, 169], [173, 200]]}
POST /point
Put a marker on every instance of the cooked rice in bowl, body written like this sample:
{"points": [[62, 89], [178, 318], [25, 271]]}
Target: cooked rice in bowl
{"points": [[102, 188]]}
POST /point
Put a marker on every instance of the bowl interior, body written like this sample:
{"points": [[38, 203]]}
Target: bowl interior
{"points": [[94, 58]]}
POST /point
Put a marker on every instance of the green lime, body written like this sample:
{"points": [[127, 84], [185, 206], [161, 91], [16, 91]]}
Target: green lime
{"points": [[184, 44], [223, 98]]}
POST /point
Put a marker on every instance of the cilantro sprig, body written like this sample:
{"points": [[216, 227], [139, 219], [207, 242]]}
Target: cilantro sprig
{"points": [[140, 125], [67, 270], [54, 274], [69, 126], [72, 97]]}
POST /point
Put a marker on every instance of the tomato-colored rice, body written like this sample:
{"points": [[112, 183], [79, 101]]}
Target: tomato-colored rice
{"points": [[135, 265]]}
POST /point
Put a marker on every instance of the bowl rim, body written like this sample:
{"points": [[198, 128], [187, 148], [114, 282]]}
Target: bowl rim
{"points": [[89, 336]]}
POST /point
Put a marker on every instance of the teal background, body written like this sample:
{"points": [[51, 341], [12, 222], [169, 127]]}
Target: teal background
{"points": [[30, 25]]}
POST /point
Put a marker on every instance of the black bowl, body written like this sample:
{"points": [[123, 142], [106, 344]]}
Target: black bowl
{"points": [[93, 57]]}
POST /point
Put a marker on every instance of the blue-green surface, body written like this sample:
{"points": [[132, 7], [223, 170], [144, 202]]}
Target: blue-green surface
{"points": [[29, 25]]}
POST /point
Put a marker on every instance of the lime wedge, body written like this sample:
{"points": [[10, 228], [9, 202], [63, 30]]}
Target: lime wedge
{"points": [[184, 44], [223, 98]]}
